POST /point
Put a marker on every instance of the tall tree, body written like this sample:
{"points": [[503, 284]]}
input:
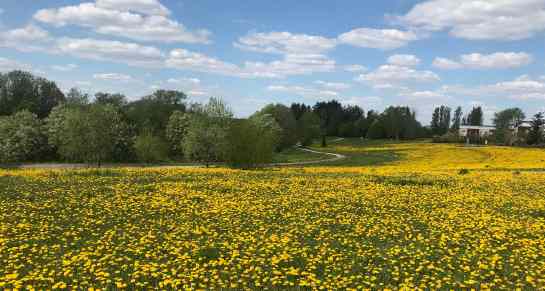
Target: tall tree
{"points": [[21, 137], [286, 120], [206, 138], [475, 117], [535, 135], [117, 100], [22, 91], [330, 114], [457, 119], [440, 123], [506, 119]]}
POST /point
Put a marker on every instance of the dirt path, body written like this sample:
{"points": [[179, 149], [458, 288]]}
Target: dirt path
{"points": [[335, 157]]}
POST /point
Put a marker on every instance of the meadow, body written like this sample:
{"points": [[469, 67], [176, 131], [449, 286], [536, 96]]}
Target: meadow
{"points": [[392, 215]]}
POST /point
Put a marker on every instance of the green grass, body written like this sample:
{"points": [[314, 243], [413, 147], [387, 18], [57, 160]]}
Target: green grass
{"points": [[294, 155]]}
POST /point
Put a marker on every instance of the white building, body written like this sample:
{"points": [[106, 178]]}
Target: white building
{"points": [[476, 131]]}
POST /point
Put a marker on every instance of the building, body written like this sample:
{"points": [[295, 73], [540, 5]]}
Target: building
{"points": [[476, 131]]}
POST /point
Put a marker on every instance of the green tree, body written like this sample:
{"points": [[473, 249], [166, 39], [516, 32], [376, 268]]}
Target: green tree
{"points": [[22, 91], [535, 134], [440, 123], [87, 134], [21, 137], [250, 144], [376, 130], [177, 127], [117, 100], [206, 137], [475, 117], [150, 148], [308, 128], [457, 119], [75, 97], [506, 119], [286, 120]]}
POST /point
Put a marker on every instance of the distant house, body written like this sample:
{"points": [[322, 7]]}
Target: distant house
{"points": [[476, 131], [522, 128]]}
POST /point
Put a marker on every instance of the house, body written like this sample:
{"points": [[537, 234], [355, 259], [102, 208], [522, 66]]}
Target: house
{"points": [[522, 128], [476, 131]]}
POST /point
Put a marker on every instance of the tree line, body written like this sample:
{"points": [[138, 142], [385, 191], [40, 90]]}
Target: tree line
{"points": [[38, 122], [445, 125]]}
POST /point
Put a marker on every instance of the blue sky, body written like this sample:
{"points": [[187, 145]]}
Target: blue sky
{"points": [[250, 53]]}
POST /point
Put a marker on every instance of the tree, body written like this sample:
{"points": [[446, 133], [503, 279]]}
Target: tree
{"points": [[475, 117], [308, 128], [330, 114], [22, 91], [116, 100], [206, 137], [87, 134], [535, 134], [376, 130], [457, 119], [176, 130], [21, 137], [285, 119], [440, 123], [75, 97], [250, 143], [504, 120], [153, 111], [150, 148], [298, 109]]}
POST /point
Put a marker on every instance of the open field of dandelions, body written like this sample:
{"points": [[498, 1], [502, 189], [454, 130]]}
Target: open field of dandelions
{"points": [[427, 216]]}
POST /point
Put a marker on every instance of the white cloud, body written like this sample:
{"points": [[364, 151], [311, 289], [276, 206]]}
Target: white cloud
{"points": [[7, 65], [385, 39], [27, 39], [130, 53], [105, 19], [479, 19], [149, 7], [332, 85], [446, 64], [388, 75], [64, 68], [193, 81], [112, 77], [521, 88], [499, 60], [297, 64], [303, 91], [355, 68], [404, 60], [425, 96], [285, 43], [365, 101]]}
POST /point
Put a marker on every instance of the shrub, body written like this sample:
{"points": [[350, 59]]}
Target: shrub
{"points": [[249, 145], [150, 148]]}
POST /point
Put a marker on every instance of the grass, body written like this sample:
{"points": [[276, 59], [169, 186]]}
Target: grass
{"points": [[293, 155]]}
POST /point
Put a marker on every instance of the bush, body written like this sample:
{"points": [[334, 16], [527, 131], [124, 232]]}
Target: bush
{"points": [[449, 137], [249, 145], [21, 137], [150, 148]]}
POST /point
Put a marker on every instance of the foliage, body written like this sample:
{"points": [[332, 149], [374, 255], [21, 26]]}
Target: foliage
{"points": [[535, 135], [457, 118], [153, 112], [87, 134], [376, 130], [286, 120], [440, 123], [116, 100], [75, 97], [206, 139], [250, 144], [22, 91], [504, 121], [308, 128], [21, 137], [176, 130], [475, 117], [150, 148]]}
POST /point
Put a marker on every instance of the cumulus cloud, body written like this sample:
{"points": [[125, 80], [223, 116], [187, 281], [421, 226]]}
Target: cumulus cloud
{"points": [[387, 76], [64, 68], [521, 88], [333, 85], [303, 91], [112, 77], [404, 60], [355, 68], [385, 39], [285, 43], [7, 65], [500, 60], [118, 18], [479, 19], [29, 38], [115, 51]]}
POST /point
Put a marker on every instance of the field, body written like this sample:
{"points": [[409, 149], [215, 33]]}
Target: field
{"points": [[413, 215]]}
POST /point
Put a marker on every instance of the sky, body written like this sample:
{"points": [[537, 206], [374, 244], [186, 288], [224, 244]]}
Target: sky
{"points": [[373, 54]]}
